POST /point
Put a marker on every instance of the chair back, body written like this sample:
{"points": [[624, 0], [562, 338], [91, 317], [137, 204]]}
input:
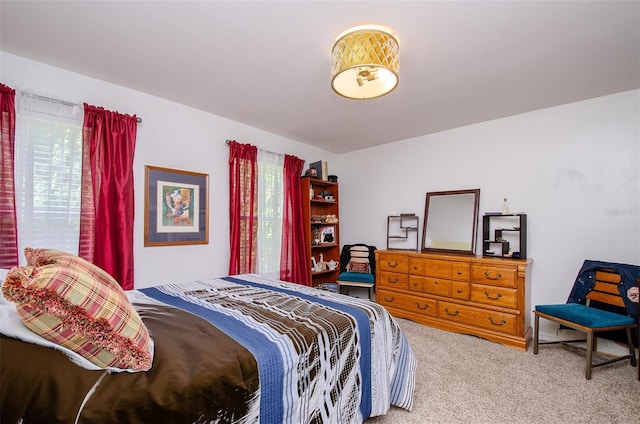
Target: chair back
{"points": [[605, 290], [358, 253]]}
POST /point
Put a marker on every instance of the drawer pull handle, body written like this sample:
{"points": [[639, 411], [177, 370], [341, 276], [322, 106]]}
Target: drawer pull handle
{"points": [[392, 265], [389, 299], [415, 284], [459, 272], [422, 307], [497, 297], [500, 324], [459, 291], [497, 277], [395, 280], [453, 314]]}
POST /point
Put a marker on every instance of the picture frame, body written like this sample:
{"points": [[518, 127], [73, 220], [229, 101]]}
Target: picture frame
{"points": [[176, 207], [321, 168], [327, 234]]}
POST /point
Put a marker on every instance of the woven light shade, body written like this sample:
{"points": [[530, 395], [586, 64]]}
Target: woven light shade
{"points": [[365, 62]]}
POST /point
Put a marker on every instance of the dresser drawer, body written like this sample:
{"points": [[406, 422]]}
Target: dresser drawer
{"points": [[408, 303], [436, 286], [437, 268], [393, 263], [460, 271], [416, 283], [451, 270], [477, 317], [392, 280], [460, 290], [440, 287], [497, 296], [504, 276], [416, 266]]}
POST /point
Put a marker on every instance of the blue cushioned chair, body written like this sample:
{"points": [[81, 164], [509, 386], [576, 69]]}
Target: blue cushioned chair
{"points": [[357, 267], [591, 320]]}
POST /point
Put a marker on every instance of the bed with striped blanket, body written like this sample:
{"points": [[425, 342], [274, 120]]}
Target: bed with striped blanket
{"points": [[242, 349]]}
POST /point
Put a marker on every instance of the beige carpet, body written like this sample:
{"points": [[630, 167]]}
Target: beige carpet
{"points": [[464, 379]]}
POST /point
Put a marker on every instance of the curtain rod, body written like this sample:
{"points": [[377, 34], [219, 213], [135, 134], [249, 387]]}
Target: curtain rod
{"points": [[62, 102], [267, 151]]}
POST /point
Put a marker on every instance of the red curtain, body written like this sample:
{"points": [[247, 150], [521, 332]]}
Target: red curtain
{"points": [[8, 226], [293, 259], [243, 206], [106, 223]]}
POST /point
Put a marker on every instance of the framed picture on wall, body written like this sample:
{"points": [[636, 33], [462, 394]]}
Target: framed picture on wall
{"points": [[176, 207]]}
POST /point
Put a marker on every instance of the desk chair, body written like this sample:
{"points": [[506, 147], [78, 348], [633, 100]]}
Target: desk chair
{"points": [[358, 267], [591, 320]]}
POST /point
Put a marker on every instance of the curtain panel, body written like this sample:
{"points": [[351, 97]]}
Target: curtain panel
{"points": [[293, 259], [243, 204], [106, 223], [8, 226]]}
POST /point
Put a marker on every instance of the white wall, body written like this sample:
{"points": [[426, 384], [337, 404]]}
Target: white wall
{"points": [[574, 169], [173, 136]]}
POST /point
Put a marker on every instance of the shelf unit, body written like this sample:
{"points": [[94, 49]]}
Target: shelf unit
{"points": [[315, 211], [400, 230], [505, 231]]}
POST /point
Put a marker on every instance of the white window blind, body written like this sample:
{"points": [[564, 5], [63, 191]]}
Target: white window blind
{"points": [[48, 172]]}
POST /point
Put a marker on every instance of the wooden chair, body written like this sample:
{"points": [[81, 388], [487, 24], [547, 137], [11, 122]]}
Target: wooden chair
{"points": [[357, 267], [591, 320]]}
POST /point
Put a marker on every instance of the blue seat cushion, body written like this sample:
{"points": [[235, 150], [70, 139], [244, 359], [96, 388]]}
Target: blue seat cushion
{"points": [[358, 277], [584, 315]]}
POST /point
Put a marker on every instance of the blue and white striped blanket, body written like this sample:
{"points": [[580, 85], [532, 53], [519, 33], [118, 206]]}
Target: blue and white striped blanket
{"points": [[322, 357]]}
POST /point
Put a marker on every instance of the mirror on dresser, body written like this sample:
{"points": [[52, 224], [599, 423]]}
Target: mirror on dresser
{"points": [[451, 221]]}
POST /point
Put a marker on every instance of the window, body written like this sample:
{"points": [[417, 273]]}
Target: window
{"points": [[270, 204], [48, 172]]}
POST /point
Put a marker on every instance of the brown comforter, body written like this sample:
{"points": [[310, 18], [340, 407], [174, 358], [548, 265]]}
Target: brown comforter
{"points": [[186, 383]]}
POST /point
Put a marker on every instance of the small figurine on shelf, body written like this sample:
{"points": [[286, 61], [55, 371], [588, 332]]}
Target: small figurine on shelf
{"points": [[505, 207], [331, 219], [321, 266], [316, 237]]}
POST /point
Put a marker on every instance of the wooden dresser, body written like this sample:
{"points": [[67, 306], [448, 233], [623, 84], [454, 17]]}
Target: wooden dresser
{"points": [[486, 297]]}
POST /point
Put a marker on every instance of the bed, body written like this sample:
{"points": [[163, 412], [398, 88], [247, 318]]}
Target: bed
{"points": [[242, 349]]}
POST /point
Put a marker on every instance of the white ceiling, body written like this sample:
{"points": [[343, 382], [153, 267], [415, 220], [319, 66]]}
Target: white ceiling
{"points": [[266, 63]]}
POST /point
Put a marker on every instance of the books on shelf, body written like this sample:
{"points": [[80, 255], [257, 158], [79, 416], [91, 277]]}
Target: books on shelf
{"points": [[322, 169]]}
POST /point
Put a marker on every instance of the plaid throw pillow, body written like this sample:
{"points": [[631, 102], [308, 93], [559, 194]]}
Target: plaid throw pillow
{"points": [[71, 308], [41, 257]]}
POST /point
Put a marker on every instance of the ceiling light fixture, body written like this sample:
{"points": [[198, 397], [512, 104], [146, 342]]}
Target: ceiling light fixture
{"points": [[365, 62]]}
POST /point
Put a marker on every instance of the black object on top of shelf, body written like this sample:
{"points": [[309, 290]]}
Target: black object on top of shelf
{"points": [[498, 236], [407, 224]]}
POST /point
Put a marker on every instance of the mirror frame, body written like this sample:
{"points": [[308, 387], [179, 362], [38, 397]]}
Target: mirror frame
{"points": [[476, 204]]}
